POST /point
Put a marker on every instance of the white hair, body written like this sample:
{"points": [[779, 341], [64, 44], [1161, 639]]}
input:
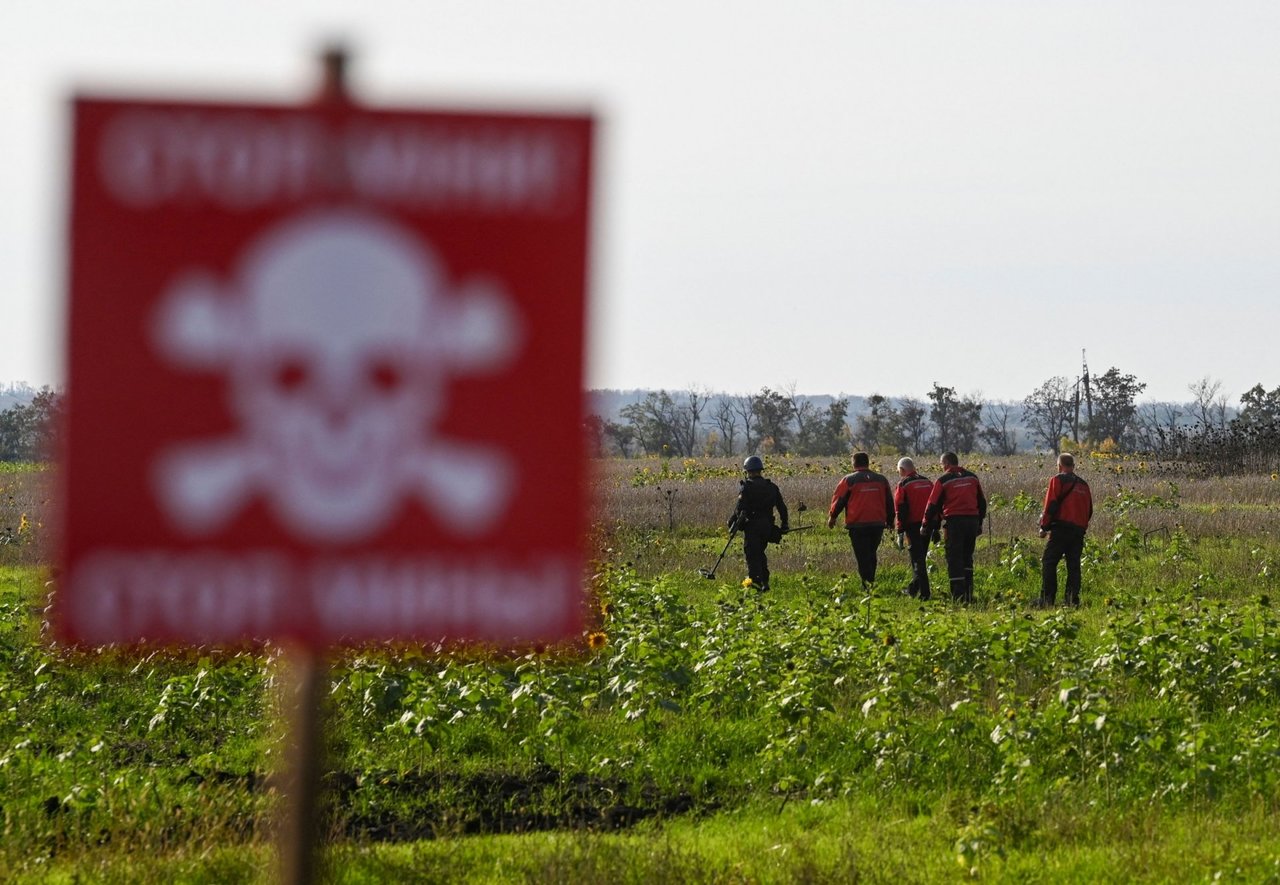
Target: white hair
{"points": [[906, 464]]}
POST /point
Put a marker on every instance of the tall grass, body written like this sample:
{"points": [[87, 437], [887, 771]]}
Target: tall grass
{"points": [[26, 512], [817, 732]]}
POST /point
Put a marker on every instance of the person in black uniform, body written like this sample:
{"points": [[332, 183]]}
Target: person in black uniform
{"points": [[757, 499]]}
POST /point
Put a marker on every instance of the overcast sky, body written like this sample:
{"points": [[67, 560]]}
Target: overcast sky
{"points": [[847, 197]]}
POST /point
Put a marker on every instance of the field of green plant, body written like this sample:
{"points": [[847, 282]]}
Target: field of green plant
{"points": [[703, 731]]}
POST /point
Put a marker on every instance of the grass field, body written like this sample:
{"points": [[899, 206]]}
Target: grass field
{"points": [[708, 732]]}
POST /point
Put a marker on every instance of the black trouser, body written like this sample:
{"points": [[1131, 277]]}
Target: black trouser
{"points": [[961, 536], [1065, 541], [917, 547], [755, 539], [865, 541]]}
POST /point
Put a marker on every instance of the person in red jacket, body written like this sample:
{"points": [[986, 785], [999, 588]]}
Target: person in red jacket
{"points": [[867, 502], [909, 500], [957, 497], [1068, 507]]}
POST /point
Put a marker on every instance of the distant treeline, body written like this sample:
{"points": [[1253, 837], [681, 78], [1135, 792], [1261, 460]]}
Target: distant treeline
{"points": [[29, 430], [1097, 412], [1091, 413]]}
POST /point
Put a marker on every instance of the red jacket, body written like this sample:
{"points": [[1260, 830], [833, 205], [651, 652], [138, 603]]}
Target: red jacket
{"points": [[1067, 500], [865, 498], [956, 493], [910, 500]]}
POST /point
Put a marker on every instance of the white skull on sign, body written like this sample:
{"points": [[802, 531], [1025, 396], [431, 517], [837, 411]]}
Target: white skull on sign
{"points": [[337, 337]]}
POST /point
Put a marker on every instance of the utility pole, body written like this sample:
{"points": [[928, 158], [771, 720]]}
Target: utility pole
{"points": [[1075, 414], [1088, 394]]}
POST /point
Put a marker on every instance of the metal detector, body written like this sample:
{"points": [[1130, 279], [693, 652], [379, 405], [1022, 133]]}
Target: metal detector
{"points": [[711, 572]]}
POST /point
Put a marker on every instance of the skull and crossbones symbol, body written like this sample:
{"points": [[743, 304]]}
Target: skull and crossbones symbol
{"points": [[336, 336]]}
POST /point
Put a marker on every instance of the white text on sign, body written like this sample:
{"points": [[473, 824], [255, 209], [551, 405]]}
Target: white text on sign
{"points": [[153, 158], [215, 595]]}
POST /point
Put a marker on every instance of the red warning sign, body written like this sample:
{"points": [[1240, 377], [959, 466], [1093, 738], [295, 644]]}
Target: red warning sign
{"points": [[325, 376]]}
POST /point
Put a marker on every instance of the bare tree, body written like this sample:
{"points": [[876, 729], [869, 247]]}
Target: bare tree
{"points": [[1049, 410], [803, 412], [1155, 424], [1210, 403], [1221, 411], [725, 420], [687, 424], [998, 436], [742, 409]]}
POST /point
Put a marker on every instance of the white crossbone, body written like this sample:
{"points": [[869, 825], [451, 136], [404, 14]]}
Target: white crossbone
{"points": [[336, 335]]}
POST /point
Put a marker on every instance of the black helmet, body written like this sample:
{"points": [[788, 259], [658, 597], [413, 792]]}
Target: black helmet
{"points": [[753, 463]]}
